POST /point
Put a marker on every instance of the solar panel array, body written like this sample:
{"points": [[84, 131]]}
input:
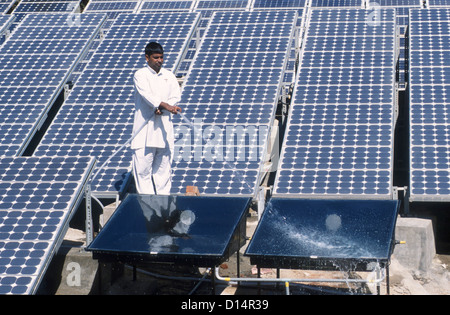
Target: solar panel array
{"points": [[32, 80], [339, 137], [338, 142], [97, 117], [429, 103], [230, 95], [37, 199]]}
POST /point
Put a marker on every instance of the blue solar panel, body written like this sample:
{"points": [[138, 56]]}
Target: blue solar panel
{"points": [[222, 4], [50, 47], [5, 21], [105, 88], [231, 102], [112, 8], [438, 3], [178, 5], [429, 85], [338, 140], [50, 6], [266, 4], [37, 199], [6, 5], [336, 3]]}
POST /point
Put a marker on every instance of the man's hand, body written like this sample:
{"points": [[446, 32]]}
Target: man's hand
{"points": [[171, 109]]}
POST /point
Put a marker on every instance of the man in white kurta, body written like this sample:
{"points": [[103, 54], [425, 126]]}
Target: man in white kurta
{"points": [[156, 94]]}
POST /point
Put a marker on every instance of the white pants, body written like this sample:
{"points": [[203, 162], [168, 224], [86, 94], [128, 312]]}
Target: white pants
{"points": [[156, 163]]}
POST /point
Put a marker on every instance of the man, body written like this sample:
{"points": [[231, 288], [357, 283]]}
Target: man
{"points": [[156, 94]]}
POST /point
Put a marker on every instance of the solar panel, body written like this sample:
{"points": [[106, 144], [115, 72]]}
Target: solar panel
{"points": [[5, 5], [112, 8], [231, 102], [278, 4], [37, 199], [438, 3], [402, 19], [51, 6], [429, 88], [338, 142], [173, 5], [337, 3], [221, 4], [97, 117], [50, 47], [5, 21]]}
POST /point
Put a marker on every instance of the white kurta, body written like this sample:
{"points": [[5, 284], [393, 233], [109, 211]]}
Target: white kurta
{"points": [[153, 145], [151, 89]]}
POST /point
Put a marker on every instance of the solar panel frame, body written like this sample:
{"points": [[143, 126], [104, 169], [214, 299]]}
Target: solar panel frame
{"points": [[304, 169], [38, 197], [429, 127]]}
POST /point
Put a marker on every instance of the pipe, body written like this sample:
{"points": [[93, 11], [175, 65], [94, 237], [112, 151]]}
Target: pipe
{"points": [[288, 280]]}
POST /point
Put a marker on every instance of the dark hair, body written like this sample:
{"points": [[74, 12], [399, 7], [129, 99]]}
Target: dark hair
{"points": [[153, 48]]}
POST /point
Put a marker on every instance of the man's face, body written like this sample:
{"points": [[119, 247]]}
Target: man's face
{"points": [[155, 61]]}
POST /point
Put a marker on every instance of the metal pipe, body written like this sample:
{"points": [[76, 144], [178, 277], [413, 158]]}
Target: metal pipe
{"points": [[288, 280]]}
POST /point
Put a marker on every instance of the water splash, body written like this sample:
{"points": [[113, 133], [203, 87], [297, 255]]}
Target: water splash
{"points": [[328, 240]]}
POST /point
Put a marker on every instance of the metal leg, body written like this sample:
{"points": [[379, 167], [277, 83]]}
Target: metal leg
{"points": [[259, 284], [278, 277], [378, 283], [388, 290], [99, 278], [213, 280]]}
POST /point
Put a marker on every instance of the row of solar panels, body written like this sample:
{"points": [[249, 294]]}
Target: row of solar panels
{"points": [[106, 84], [340, 150]]}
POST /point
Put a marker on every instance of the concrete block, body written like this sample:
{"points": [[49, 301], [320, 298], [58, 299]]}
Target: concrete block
{"points": [[78, 273], [419, 250]]}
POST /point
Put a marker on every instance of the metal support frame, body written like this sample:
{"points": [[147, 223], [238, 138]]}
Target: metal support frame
{"points": [[89, 222]]}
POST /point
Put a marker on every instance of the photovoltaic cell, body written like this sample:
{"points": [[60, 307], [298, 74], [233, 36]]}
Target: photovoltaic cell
{"points": [[429, 85], [338, 142], [50, 47], [37, 199], [231, 102], [97, 117]]}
